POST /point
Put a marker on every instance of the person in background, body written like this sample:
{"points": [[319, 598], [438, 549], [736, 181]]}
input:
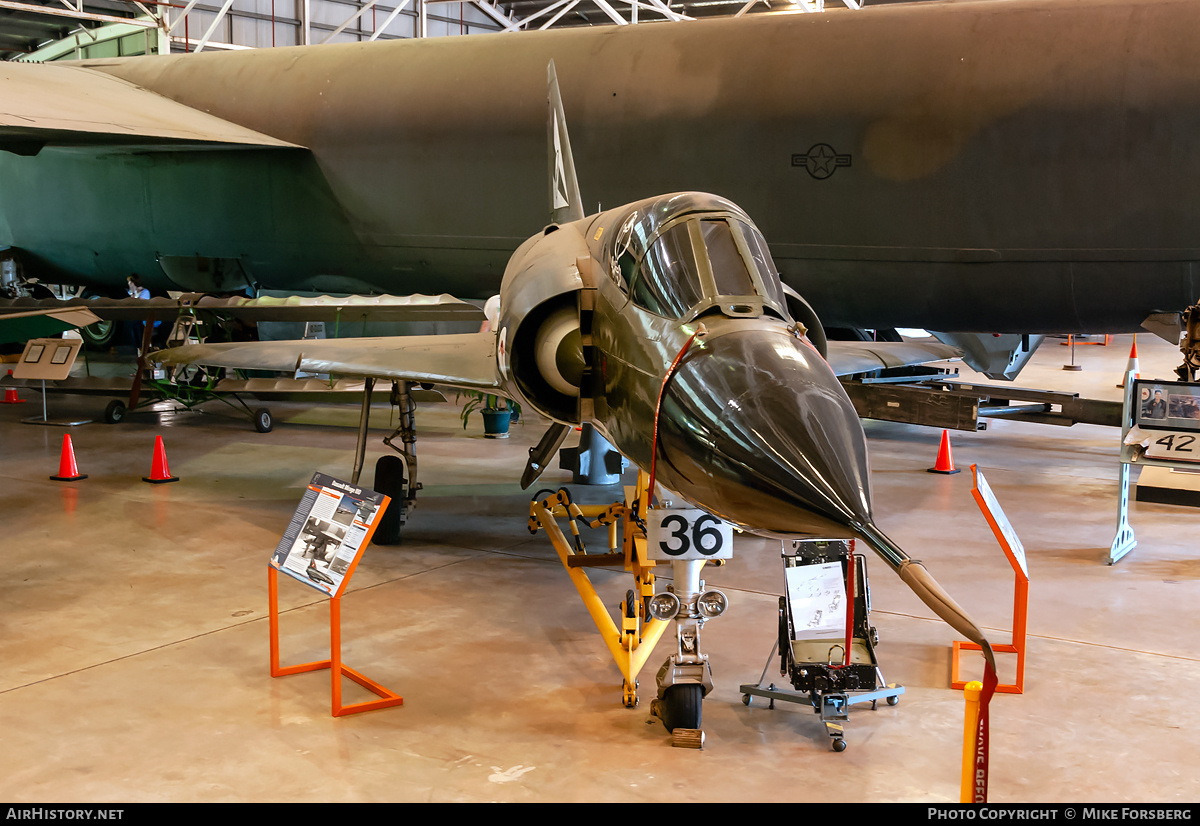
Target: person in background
{"points": [[135, 289]]}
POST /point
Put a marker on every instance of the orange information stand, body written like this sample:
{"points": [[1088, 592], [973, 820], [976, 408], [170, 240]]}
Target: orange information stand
{"points": [[330, 530], [337, 667], [1015, 552]]}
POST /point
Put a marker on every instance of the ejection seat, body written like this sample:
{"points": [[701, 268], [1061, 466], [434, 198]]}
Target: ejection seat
{"points": [[815, 632]]}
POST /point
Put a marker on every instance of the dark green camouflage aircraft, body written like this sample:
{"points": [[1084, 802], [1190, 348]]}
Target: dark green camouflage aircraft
{"points": [[1017, 167]]}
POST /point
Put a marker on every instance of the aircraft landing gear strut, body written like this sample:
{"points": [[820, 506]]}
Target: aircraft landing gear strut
{"points": [[395, 476], [685, 679]]}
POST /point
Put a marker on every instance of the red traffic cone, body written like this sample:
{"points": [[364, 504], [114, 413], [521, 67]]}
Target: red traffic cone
{"points": [[10, 394], [68, 471], [159, 472], [1132, 365], [945, 463]]}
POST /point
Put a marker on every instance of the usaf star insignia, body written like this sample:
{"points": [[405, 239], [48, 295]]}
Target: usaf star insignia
{"points": [[821, 161]]}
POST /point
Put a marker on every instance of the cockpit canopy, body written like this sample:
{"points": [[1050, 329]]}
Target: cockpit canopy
{"points": [[685, 254]]}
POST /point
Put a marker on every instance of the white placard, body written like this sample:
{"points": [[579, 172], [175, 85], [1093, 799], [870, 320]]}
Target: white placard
{"points": [[687, 534], [993, 507], [817, 597], [1173, 446]]}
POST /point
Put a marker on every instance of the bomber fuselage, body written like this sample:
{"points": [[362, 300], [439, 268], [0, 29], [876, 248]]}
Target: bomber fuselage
{"points": [[1015, 167]]}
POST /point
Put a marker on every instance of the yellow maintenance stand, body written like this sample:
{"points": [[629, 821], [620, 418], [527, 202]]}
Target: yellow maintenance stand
{"points": [[633, 640]]}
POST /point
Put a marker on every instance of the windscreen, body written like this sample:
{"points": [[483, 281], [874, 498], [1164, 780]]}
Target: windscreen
{"points": [[728, 267], [668, 282]]}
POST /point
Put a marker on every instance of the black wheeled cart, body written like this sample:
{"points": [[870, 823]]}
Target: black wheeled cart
{"points": [[827, 653]]}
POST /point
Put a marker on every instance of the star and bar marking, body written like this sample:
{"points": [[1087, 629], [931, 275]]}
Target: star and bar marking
{"points": [[821, 161]]}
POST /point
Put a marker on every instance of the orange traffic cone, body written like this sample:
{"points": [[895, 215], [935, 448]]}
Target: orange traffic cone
{"points": [[68, 471], [10, 394], [1132, 365], [945, 463], [159, 472]]}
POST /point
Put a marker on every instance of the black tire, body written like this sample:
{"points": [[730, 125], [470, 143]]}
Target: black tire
{"points": [[839, 744], [682, 705], [263, 422], [389, 480], [98, 336], [114, 413], [630, 603]]}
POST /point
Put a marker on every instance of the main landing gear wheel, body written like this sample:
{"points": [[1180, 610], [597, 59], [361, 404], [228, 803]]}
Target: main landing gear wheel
{"points": [[114, 413], [389, 480], [98, 336], [681, 706], [263, 421]]}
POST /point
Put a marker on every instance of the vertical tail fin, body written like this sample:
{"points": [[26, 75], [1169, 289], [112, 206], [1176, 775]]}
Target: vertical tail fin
{"points": [[565, 203]]}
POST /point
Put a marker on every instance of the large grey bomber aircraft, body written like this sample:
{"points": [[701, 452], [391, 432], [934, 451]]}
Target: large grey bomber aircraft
{"points": [[1016, 167]]}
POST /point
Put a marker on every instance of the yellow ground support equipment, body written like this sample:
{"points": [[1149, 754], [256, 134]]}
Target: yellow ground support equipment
{"points": [[632, 638]]}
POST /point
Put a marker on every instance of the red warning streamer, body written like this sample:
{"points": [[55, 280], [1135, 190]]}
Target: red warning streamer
{"points": [[990, 680], [658, 405]]}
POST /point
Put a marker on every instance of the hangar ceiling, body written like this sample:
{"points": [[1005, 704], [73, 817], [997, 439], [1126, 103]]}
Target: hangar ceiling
{"points": [[29, 25]]}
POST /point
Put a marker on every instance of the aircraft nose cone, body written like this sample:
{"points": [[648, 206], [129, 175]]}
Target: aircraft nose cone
{"points": [[756, 428]]}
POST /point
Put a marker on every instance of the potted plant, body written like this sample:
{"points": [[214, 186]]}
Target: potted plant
{"points": [[497, 413]]}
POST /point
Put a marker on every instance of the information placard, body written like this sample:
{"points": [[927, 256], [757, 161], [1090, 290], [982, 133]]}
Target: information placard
{"points": [[1167, 405], [49, 359], [329, 531], [817, 597]]}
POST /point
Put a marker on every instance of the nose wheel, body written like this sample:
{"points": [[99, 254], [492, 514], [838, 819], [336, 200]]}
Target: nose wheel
{"points": [[681, 706]]}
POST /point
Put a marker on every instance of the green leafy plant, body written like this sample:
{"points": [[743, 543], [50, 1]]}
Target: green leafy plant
{"points": [[485, 401]]}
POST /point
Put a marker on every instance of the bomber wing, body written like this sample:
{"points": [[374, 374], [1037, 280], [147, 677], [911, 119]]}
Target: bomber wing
{"points": [[344, 309], [465, 360], [850, 357], [42, 323], [55, 105]]}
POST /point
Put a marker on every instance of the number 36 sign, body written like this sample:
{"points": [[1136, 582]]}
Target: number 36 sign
{"points": [[687, 534]]}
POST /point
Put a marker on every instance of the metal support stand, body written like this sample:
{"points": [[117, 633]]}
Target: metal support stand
{"points": [[594, 461], [631, 642], [337, 668], [834, 707], [1124, 542], [48, 359]]}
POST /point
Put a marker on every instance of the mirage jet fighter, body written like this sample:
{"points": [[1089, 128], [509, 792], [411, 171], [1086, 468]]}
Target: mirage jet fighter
{"points": [[664, 324]]}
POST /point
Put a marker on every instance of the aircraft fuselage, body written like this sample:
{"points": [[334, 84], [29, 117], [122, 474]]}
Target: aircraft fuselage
{"points": [[1015, 167]]}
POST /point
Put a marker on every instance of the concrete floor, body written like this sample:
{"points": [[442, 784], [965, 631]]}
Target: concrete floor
{"points": [[133, 633]]}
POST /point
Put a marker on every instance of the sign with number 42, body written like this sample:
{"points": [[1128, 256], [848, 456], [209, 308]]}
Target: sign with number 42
{"points": [[687, 534], [1176, 446]]}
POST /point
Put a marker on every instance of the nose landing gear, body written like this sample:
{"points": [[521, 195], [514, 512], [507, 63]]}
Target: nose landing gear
{"points": [[685, 678]]}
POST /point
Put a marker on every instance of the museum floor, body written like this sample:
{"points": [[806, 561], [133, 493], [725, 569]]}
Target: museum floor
{"points": [[133, 632]]}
